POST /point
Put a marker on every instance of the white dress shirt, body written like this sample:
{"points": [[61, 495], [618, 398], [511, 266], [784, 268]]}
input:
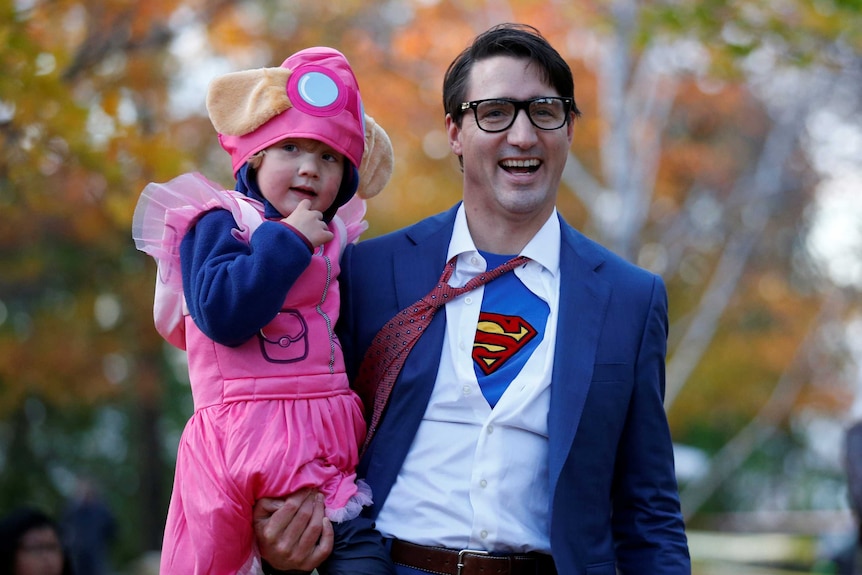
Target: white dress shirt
{"points": [[477, 478]]}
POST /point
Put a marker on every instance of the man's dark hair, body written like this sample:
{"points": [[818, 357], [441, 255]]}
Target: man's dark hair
{"points": [[515, 40]]}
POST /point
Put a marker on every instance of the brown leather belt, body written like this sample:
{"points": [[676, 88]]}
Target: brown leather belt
{"points": [[442, 561]]}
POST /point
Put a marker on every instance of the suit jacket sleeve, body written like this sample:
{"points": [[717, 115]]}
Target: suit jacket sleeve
{"points": [[647, 522]]}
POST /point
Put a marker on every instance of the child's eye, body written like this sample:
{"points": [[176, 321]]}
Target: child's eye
{"points": [[289, 147], [330, 157]]}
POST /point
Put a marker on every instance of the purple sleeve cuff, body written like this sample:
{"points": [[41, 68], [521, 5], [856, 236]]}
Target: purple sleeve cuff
{"points": [[301, 236]]}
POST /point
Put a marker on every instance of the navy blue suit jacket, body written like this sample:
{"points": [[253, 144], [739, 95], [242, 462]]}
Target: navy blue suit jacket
{"points": [[614, 501]]}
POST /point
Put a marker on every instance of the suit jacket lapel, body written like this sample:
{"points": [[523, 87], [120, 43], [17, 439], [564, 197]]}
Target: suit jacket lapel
{"points": [[417, 266], [583, 301], [421, 262], [419, 269]]}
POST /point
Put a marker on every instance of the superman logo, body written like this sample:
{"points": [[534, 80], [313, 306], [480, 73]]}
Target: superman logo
{"points": [[498, 338]]}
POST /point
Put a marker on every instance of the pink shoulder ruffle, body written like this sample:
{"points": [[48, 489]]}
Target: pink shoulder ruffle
{"points": [[163, 215], [165, 211], [351, 216]]}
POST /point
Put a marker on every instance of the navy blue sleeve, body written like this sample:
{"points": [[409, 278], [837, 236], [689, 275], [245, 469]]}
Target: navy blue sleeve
{"points": [[233, 289], [359, 549]]}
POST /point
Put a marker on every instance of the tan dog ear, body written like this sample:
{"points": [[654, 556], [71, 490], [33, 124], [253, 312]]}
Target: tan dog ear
{"points": [[378, 160], [241, 102]]}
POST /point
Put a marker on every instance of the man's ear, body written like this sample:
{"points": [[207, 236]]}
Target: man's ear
{"points": [[453, 131]]}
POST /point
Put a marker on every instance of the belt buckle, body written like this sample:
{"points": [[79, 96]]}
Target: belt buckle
{"points": [[464, 552]]}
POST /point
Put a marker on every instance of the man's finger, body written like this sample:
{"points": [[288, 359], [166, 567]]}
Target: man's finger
{"points": [[266, 507]]}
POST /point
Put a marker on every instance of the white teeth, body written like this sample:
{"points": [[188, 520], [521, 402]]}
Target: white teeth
{"points": [[520, 163]]}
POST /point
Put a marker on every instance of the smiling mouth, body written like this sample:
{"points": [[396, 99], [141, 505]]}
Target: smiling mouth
{"points": [[521, 166]]}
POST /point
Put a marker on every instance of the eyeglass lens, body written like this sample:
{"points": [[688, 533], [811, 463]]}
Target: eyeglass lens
{"points": [[544, 113]]}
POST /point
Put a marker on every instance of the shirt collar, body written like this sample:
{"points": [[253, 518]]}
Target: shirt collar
{"points": [[543, 249]]}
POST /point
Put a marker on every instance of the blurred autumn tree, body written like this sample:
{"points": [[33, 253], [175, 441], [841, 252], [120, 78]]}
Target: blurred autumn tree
{"points": [[693, 158]]}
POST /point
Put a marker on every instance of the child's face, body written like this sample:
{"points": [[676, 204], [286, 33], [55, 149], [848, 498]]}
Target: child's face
{"points": [[297, 169]]}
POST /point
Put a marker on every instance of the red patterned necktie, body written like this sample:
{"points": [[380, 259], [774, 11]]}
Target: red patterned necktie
{"points": [[386, 355]]}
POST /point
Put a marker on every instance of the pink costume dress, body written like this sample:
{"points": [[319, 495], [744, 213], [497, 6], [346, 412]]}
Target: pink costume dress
{"points": [[273, 415]]}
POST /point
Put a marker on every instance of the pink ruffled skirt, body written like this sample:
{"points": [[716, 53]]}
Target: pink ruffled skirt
{"points": [[233, 454]]}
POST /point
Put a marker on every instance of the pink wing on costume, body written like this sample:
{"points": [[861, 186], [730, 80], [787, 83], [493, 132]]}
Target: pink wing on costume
{"points": [[352, 214], [162, 216]]}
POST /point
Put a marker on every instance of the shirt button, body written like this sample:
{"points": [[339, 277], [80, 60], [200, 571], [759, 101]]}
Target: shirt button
{"points": [[490, 429], [468, 300], [467, 390], [474, 260], [483, 534], [483, 484]]}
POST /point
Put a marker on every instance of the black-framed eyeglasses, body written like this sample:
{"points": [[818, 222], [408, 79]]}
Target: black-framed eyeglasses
{"points": [[498, 114]]}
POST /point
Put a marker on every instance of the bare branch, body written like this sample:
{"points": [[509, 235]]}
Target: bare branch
{"points": [[764, 190], [581, 182], [763, 426]]}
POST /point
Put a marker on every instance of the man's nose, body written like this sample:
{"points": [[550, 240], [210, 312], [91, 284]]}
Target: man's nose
{"points": [[522, 132]]}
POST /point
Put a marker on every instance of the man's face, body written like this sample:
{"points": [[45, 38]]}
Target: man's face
{"points": [[516, 172]]}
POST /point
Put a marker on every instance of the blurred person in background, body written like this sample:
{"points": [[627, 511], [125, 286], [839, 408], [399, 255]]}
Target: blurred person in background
{"points": [[849, 560], [88, 528], [30, 544]]}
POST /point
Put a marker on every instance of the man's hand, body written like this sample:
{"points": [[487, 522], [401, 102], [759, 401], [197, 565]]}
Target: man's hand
{"points": [[292, 533]]}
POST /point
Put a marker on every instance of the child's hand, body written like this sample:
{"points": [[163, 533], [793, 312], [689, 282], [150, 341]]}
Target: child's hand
{"points": [[309, 223]]}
